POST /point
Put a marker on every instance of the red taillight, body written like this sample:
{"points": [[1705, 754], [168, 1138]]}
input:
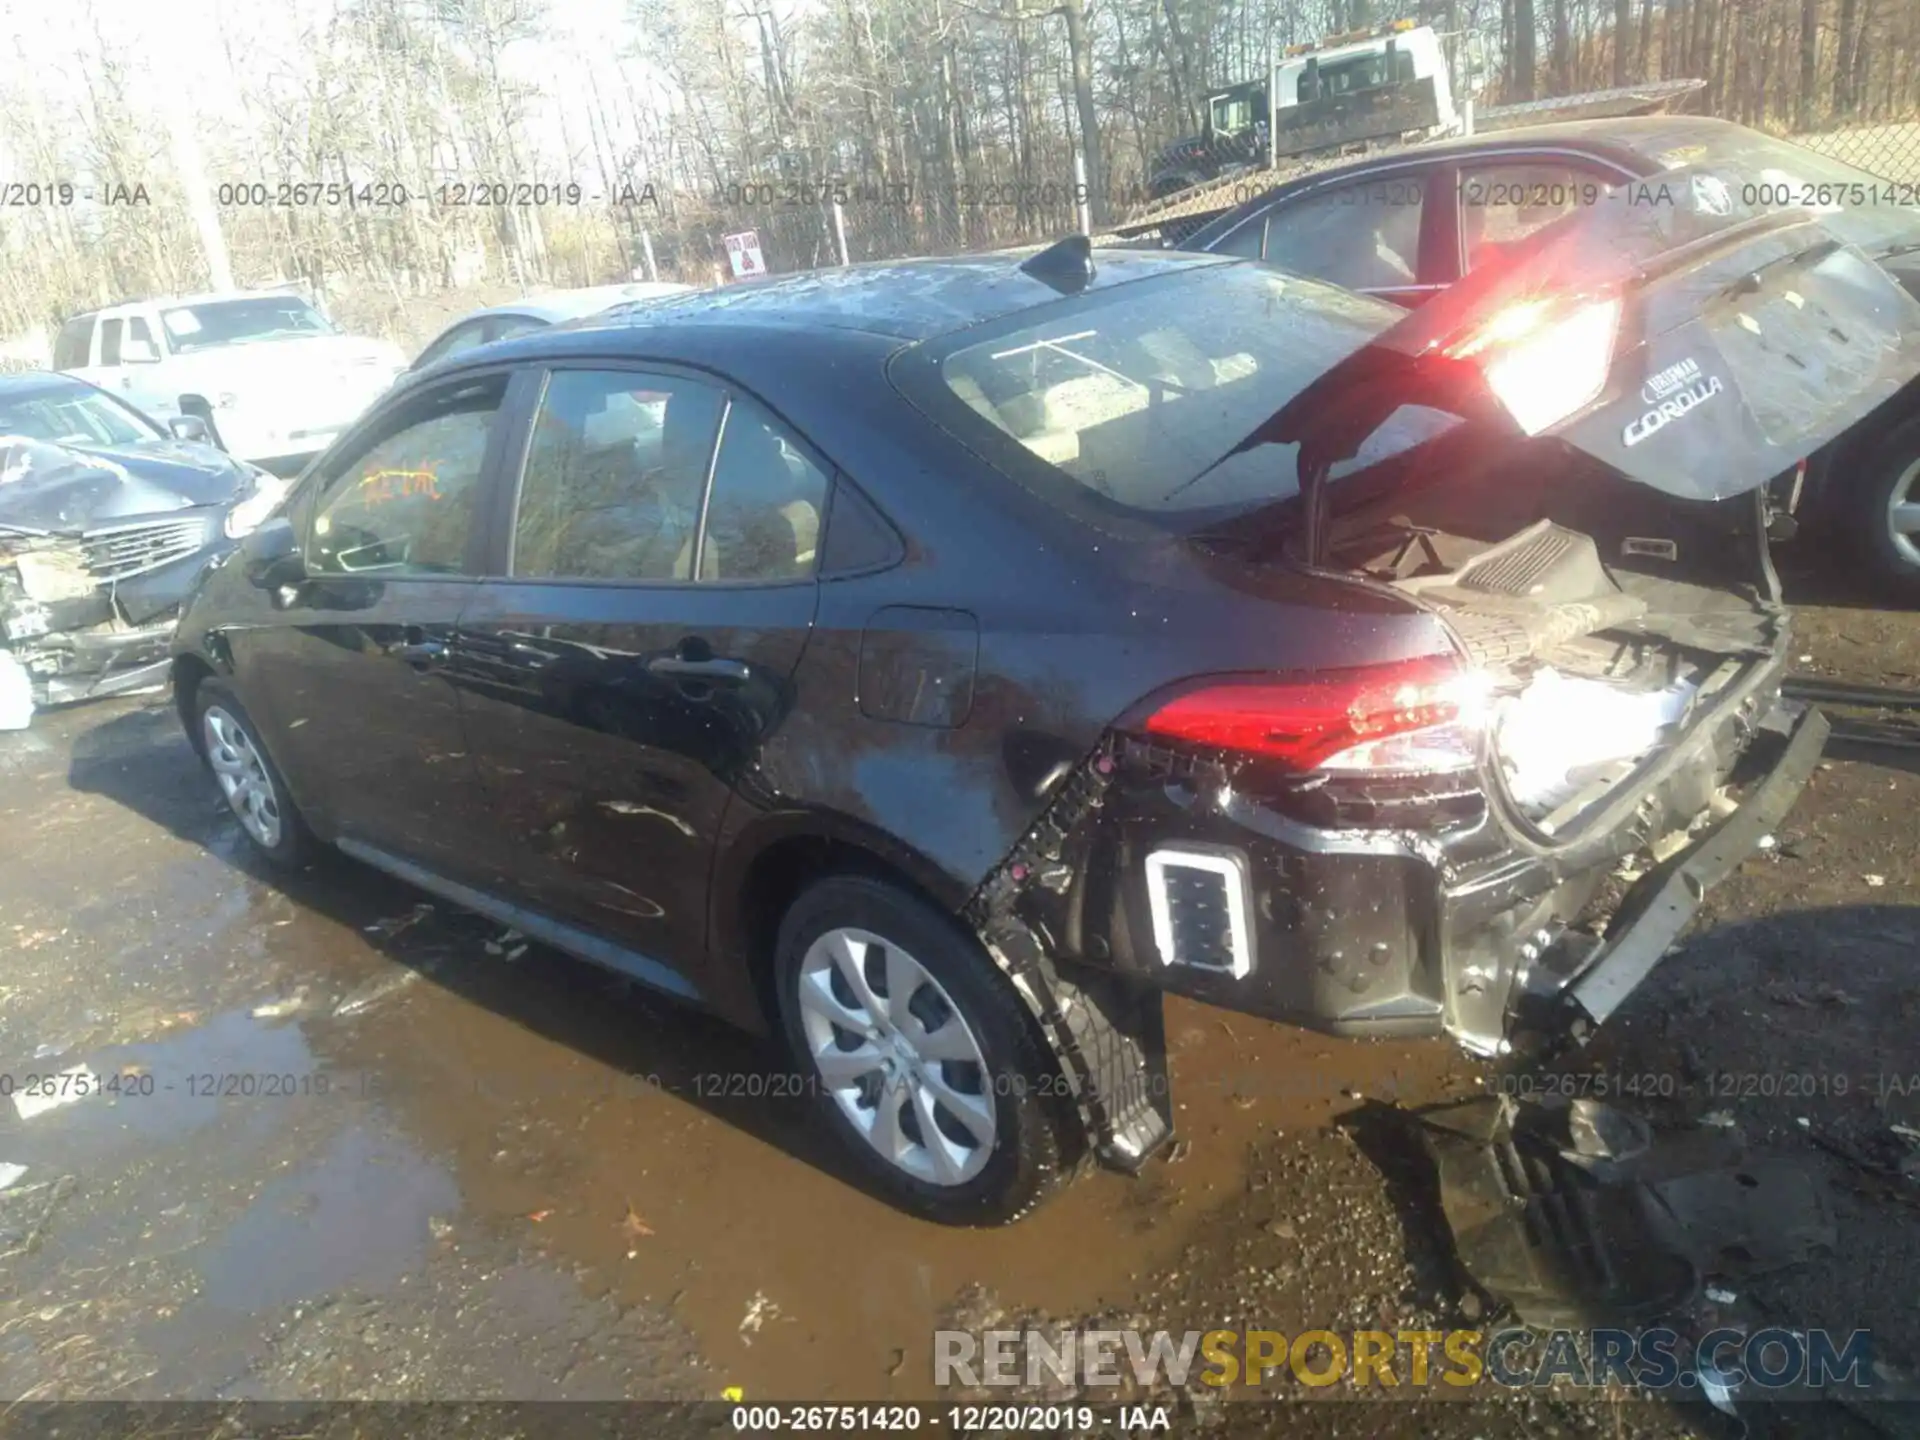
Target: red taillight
{"points": [[1339, 719]]}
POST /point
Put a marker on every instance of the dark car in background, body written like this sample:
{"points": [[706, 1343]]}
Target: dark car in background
{"points": [[1408, 225], [106, 521], [936, 663], [536, 312]]}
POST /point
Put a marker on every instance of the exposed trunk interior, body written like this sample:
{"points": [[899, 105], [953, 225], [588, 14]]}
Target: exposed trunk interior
{"points": [[1606, 616]]}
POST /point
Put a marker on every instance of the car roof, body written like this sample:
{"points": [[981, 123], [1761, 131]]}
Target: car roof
{"points": [[1644, 136], [16, 382], [1637, 143], [206, 297], [905, 299], [1640, 142], [558, 305]]}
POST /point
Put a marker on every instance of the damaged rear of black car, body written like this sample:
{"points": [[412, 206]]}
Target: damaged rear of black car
{"points": [[1547, 498], [1170, 624], [100, 543]]}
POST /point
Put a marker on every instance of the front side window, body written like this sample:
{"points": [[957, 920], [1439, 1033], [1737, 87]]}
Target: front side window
{"points": [[405, 504], [1364, 236], [214, 323], [616, 468], [140, 348], [462, 337], [1233, 112]]}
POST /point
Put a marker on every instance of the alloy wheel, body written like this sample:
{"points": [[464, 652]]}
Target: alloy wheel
{"points": [[1903, 515], [898, 1057], [243, 776]]}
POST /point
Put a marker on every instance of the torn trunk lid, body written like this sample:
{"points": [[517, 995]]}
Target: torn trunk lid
{"points": [[1696, 352]]}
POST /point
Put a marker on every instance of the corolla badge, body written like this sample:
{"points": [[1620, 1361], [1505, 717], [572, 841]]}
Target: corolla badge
{"points": [[1672, 393]]}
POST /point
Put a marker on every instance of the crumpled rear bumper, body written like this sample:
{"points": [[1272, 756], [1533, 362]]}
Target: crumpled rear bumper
{"points": [[1399, 916], [1658, 907]]}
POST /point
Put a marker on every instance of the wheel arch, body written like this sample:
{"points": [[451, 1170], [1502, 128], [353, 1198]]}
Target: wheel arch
{"points": [[1846, 455], [188, 672], [765, 869]]}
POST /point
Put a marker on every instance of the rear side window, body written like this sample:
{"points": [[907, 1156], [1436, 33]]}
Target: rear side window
{"points": [[110, 331], [73, 344], [1364, 236], [763, 517], [1501, 205], [616, 468], [504, 327], [404, 505], [461, 337], [1248, 242]]}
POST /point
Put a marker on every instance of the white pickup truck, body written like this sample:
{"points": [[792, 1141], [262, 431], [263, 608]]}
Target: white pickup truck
{"points": [[268, 375]]}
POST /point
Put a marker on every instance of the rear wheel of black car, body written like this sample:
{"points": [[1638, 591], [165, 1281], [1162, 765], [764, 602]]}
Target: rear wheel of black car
{"points": [[919, 1054], [1890, 508], [247, 778]]}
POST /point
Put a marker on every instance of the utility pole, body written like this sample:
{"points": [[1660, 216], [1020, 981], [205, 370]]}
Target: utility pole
{"points": [[190, 166]]}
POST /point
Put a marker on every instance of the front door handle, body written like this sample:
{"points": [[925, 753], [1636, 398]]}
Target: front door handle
{"points": [[421, 654], [718, 668]]}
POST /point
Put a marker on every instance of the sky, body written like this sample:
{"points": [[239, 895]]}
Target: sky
{"points": [[184, 47]]}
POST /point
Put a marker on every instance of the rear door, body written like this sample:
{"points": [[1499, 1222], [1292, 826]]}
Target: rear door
{"points": [[620, 681]]}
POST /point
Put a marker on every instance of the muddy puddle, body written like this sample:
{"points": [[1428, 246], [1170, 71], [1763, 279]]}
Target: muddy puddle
{"points": [[331, 1082]]}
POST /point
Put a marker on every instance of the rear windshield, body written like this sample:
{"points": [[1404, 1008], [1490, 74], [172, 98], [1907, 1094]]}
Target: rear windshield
{"points": [[1746, 173], [1123, 403]]}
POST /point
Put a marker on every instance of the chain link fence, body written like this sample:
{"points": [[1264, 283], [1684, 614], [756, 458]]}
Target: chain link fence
{"points": [[802, 226], [409, 269]]}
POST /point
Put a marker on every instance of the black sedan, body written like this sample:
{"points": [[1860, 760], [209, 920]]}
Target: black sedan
{"points": [[106, 521], [936, 663], [1407, 225]]}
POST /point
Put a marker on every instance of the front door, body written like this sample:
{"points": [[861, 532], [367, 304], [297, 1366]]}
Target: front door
{"points": [[365, 724], [620, 683]]}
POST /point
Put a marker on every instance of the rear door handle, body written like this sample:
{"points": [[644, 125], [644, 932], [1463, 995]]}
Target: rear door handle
{"points": [[715, 669], [422, 654]]}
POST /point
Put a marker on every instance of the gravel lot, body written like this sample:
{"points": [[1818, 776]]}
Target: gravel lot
{"points": [[441, 1183]]}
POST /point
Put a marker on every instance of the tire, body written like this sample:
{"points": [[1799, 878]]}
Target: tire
{"points": [[1008, 1136], [1890, 477], [254, 790]]}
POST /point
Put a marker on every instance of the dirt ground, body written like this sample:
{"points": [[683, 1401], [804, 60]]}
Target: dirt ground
{"points": [[359, 1148]]}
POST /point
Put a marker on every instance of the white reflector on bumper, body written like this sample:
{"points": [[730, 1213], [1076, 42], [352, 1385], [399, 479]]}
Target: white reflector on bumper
{"points": [[1201, 910]]}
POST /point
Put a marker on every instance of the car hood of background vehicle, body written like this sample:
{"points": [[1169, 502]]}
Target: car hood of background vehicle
{"points": [[1766, 335], [45, 486], [255, 364]]}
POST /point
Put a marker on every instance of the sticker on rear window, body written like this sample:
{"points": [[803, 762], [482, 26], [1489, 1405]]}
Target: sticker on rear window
{"points": [[1711, 195]]}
